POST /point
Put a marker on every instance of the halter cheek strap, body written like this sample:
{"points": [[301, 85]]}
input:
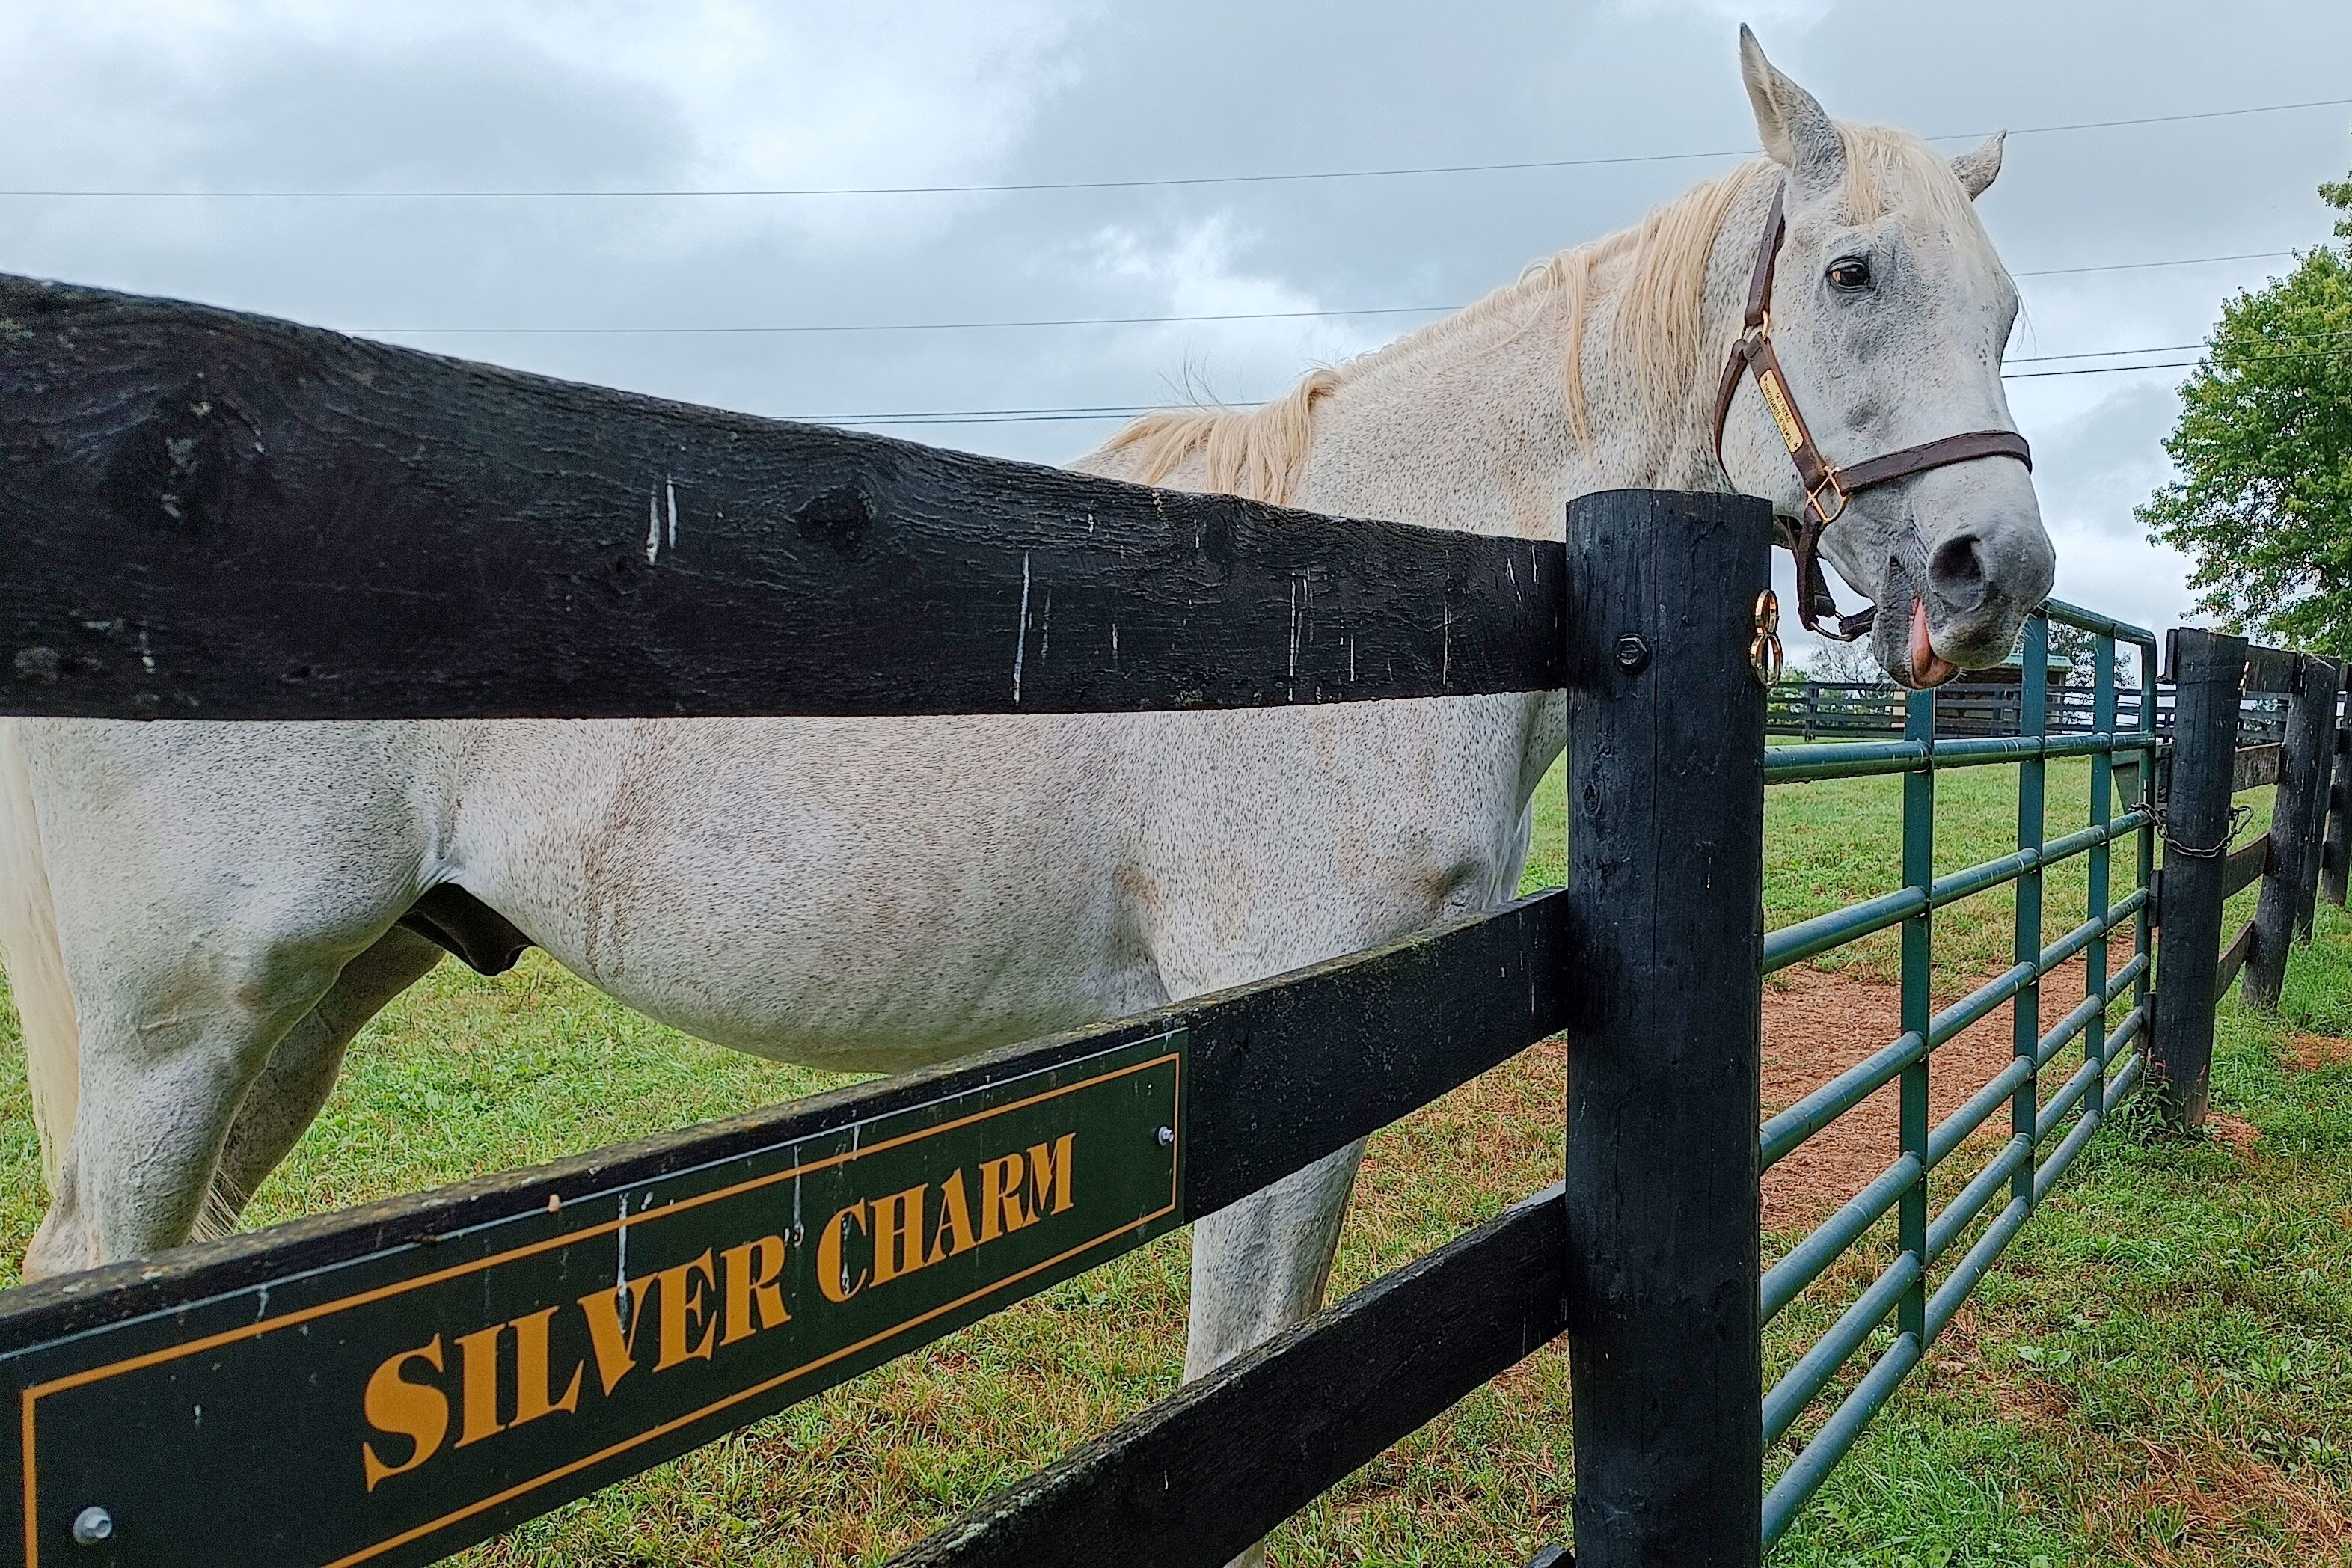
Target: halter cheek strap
{"points": [[1828, 488]]}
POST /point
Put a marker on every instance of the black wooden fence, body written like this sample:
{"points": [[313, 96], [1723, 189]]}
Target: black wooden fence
{"points": [[210, 515], [2208, 857]]}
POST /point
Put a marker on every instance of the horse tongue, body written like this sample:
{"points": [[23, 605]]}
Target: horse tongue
{"points": [[1927, 668]]}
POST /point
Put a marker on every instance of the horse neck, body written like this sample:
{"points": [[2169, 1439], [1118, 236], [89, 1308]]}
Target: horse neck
{"points": [[1463, 429], [1469, 428]]}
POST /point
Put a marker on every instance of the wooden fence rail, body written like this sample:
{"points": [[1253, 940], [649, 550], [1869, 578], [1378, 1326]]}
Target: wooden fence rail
{"points": [[212, 515]]}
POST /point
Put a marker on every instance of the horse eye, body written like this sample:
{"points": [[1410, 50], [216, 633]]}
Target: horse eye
{"points": [[1850, 272]]}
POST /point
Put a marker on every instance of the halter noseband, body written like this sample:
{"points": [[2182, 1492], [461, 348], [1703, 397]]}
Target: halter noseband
{"points": [[1827, 488]]}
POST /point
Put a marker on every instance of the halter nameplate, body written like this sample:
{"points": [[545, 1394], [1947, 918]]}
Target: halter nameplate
{"points": [[1784, 413]]}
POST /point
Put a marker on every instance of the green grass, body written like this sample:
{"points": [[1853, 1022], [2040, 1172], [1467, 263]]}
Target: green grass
{"points": [[2157, 1373], [2160, 1370]]}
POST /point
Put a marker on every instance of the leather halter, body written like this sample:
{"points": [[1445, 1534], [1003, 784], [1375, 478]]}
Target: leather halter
{"points": [[1827, 487]]}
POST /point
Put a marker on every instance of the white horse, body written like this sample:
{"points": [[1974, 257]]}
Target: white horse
{"points": [[197, 917]]}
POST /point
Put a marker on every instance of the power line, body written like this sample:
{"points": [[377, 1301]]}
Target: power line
{"points": [[1130, 410], [2135, 266], [2231, 361], [1145, 184], [795, 329], [2172, 349]]}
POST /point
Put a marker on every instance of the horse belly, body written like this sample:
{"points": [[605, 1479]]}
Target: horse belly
{"points": [[815, 890]]}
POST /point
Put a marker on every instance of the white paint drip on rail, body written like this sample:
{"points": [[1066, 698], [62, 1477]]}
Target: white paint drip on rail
{"points": [[1021, 646]]}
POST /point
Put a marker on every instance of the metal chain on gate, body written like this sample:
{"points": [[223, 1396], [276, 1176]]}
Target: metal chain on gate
{"points": [[2240, 817]]}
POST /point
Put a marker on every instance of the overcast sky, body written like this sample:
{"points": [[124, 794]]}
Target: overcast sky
{"points": [[703, 94]]}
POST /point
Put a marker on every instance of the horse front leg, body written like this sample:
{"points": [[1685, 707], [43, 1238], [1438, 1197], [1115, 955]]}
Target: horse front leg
{"points": [[1261, 1265], [166, 1060]]}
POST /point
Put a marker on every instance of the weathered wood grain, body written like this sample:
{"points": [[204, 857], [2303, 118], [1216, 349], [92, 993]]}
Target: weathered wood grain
{"points": [[2305, 759], [2328, 673], [211, 515], [2270, 671], [2254, 767], [2234, 959], [2244, 865], [2206, 668], [2336, 856], [1665, 792]]}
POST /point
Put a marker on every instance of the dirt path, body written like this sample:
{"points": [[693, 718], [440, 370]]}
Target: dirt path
{"points": [[1819, 1025]]}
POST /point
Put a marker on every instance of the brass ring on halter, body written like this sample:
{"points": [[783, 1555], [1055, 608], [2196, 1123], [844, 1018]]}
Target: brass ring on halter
{"points": [[1813, 498], [1764, 652], [1758, 332]]}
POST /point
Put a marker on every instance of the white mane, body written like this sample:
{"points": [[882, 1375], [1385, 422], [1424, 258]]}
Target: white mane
{"points": [[1660, 333]]}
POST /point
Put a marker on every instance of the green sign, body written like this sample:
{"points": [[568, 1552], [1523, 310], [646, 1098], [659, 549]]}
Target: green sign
{"points": [[394, 1408]]}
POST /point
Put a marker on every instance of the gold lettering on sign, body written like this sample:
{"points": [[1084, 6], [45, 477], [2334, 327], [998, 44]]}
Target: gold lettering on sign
{"points": [[1049, 1176], [898, 1234], [416, 1411], [693, 1309], [478, 1364], [683, 1300], [832, 1277], [751, 1271], [531, 1379], [953, 1234], [616, 1348], [1001, 1210]]}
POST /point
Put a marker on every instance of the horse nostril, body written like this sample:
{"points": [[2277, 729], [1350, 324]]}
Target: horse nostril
{"points": [[1956, 572]]}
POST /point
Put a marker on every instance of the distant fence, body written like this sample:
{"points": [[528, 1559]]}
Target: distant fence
{"points": [[1835, 709], [210, 515]]}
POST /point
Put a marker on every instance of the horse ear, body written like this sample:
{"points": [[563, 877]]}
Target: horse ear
{"points": [[1977, 170], [1797, 131]]}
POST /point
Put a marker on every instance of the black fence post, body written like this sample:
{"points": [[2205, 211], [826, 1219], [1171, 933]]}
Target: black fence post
{"points": [[2328, 674], [1665, 795], [2205, 667], [2303, 765], [2335, 857]]}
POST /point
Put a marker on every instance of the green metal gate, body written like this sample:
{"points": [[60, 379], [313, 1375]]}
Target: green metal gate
{"points": [[1925, 1284]]}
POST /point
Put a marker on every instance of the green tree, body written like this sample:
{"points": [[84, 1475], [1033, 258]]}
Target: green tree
{"points": [[2263, 504]]}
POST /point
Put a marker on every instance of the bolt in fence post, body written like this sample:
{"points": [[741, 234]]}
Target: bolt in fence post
{"points": [[2335, 857], [1666, 791], [2306, 903], [2302, 763], [2205, 668]]}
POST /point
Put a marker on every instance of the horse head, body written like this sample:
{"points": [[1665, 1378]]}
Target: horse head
{"points": [[1884, 312]]}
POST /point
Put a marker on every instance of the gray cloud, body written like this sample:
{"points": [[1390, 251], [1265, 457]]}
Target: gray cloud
{"points": [[299, 92]]}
